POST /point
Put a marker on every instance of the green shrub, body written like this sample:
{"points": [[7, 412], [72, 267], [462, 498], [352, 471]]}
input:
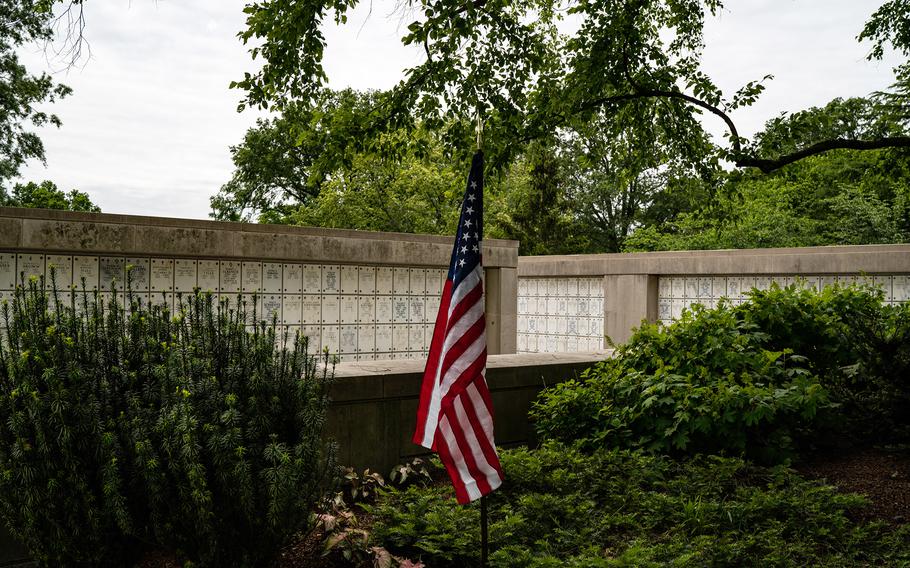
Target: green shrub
{"points": [[132, 428], [786, 366], [708, 383], [858, 345], [618, 508]]}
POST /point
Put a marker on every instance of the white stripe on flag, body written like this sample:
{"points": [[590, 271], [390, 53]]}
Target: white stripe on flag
{"points": [[474, 444], [449, 440]]}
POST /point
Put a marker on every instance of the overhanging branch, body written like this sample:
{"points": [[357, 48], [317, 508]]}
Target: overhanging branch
{"points": [[768, 166], [742, 160]]}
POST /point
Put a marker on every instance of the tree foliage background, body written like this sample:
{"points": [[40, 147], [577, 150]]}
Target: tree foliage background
{"points": [[595, 138]]}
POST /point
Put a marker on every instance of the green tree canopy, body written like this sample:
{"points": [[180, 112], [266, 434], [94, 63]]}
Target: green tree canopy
{"points": [[46, 196], [840, 197], [21, 93], [640, 59]]}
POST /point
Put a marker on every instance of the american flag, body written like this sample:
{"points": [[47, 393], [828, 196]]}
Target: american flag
{"points": [[455, 416]]}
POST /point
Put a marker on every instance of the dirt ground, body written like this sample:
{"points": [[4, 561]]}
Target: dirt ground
{"points": [[882, 476]]}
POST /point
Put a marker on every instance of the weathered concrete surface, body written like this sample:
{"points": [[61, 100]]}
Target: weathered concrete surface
{"points": [[100, 233], [501, 310], [374, 404], [809, 260], [628, 299]]}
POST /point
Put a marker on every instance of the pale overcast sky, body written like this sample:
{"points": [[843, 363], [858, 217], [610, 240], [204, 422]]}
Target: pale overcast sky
{"points": [[148, 128]]}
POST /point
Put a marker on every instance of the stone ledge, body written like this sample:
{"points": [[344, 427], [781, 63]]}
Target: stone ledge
{"points": [[416, 366], [852, 259], [102, 233]]}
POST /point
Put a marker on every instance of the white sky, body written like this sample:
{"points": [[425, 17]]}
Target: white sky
{"points": [[148, 128]]}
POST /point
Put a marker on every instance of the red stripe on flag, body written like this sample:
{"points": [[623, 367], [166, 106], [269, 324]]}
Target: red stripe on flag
{"points": [[483, 437], [429, 373], [445, 455], [479, 477], [459, 347]]}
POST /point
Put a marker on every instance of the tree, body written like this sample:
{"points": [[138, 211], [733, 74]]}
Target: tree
{"points": [[22, 22], [509, 60], [529, 203], [840, 197], [46, 196], [310, 166]]}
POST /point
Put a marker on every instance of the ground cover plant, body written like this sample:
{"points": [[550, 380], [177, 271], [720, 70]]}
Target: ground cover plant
{"points": [[562, 506], [132, 428]]}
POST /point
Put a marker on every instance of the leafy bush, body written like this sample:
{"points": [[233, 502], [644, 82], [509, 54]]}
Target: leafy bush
{"points": [[753, 379], [620, 508], [706, 384], [858, 345], [127, 428]]}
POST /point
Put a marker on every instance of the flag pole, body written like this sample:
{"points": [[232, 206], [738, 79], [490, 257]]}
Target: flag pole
{"points": [[484, 540], [483, 532]]}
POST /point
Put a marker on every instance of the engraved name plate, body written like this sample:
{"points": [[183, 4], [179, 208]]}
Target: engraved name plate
{"points": [[366, 309], [162, 274], [383, 338], [348, 339], [312, 279], [366, 277], [207, 273], [312, 309], [230, 277], [432, 309], [29, 266], [330, 338], [349, 280], [399, 309], [418, 281], [434, 284], [366, 338], [383, 280], [111, 270], [415, 337], [330, 309], [251, 273], [331, 283], [400, 282], [400, 337], [137, 273], [293, 278], [184, 275], [85, 268], [417, 309], [7, 271], [62, 268], [291, 307], [271, 278], [271, 307], [348, 309], [383, 309]]}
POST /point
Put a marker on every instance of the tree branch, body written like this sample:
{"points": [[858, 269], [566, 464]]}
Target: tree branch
{"points": [[768, 166], [740, 159]]}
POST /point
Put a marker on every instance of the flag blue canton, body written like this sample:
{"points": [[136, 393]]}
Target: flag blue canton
{"points": [[466, 253]]}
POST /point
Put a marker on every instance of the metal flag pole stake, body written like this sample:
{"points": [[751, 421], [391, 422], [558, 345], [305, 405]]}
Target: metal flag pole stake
{"points": [[484, 540], [483, 532]]}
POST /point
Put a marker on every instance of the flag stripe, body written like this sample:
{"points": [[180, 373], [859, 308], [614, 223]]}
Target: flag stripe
{"points": [[476, 439]]}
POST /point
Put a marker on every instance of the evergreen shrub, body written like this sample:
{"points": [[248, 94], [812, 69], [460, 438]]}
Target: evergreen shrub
{"points": [[126, 427]]}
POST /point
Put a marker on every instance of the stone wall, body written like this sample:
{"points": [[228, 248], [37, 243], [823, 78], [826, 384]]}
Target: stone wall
{"points": [[660, 285], [363, 295], [560, 315], [374, 404]]}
